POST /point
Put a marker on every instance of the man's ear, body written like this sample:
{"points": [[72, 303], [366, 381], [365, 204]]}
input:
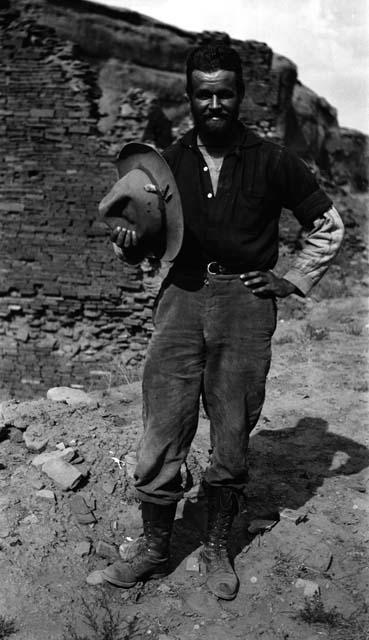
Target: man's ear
{"points": [[186, 97]]}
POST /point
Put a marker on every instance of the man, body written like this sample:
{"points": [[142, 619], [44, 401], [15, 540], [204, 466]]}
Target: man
{"points": [[216, 312]]}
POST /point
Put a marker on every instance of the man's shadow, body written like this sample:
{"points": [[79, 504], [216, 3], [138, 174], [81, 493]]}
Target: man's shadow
{"points": [[287, 467]]}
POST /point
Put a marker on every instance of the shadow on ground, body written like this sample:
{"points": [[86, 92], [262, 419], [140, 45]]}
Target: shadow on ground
{"points": [[287, 467]]}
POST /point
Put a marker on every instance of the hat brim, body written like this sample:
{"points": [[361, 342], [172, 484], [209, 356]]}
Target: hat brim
{"points": [[138, 155]]}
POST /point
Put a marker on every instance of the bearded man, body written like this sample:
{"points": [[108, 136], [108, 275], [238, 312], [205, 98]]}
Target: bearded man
{"points": [[215, 314]]}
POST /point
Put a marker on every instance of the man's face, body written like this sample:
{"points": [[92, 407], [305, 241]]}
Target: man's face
{"points": [[215, 102]]}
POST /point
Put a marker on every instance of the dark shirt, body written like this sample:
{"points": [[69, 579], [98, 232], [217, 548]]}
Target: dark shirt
{"points": [[238, 226]]}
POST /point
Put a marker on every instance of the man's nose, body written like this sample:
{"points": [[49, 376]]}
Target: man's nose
{"points": [[215, 104]]}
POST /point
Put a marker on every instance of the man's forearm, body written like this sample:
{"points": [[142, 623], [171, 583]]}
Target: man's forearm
{"points": [[320, 245]]}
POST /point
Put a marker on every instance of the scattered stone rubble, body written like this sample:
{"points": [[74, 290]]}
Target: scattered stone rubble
{"points": [[75, 499]]}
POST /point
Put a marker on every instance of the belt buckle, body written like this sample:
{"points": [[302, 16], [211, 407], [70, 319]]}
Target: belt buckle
{"points": [[214, 265]]}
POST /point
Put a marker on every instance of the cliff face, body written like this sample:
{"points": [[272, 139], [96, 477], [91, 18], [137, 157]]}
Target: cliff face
{"points": [[69, 313], [130, 49]]}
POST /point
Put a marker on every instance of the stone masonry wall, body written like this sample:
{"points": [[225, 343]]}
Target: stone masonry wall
{"points": [[70, 313], [67, 307]]}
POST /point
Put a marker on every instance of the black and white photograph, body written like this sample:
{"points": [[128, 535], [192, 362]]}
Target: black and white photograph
{"points": [[184, 320]]}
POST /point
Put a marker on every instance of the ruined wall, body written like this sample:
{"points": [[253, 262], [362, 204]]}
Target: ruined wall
{"points": [[66, 304], [70, 313]]}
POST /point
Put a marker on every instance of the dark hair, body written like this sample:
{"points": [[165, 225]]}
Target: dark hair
{"points": [[212, 58]]}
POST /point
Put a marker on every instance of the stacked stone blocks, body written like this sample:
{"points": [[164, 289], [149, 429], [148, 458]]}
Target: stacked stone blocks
{"points": [[66, 304]]}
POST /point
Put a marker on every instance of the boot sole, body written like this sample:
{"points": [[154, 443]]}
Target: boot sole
{"points": [[223, 597], [128, 585]]}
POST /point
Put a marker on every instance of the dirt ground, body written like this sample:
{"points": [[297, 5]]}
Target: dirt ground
{"points": [[303, 531]]}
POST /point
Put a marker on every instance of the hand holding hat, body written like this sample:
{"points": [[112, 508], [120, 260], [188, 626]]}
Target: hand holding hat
{"points": [[143, 207], [123, 238]]}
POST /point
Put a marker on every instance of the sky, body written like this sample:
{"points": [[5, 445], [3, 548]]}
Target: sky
{"points": [[328, 40]]}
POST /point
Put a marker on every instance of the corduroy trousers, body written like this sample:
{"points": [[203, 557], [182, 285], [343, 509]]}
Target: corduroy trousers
{"points": [[212, 337]]}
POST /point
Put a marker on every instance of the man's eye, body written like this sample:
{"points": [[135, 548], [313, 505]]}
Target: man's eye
{"points": [[203, 95], [225, 95], [222, 95]]}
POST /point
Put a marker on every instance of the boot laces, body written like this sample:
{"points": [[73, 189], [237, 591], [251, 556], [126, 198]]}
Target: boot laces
{"points": [[219, 530]]}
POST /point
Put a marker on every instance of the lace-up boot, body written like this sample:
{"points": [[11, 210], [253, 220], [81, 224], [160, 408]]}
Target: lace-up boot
{"points": [[222, 508], [149, 558]]}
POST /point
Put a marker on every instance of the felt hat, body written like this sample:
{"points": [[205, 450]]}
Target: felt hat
{"points": [[146, 199]]}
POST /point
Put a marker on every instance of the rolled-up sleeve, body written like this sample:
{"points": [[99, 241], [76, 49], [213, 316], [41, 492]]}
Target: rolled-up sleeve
{"points": [[312, 207], [299, 189], [320, 245]]}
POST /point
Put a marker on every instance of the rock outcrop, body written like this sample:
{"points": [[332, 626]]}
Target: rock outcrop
{"points": [[309, 125]]}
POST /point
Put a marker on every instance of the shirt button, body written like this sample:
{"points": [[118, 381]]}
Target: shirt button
{"points": [[210, 195], [206, 169]]}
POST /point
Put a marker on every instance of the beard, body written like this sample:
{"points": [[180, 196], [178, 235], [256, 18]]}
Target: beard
{"points": [[215, 130]]}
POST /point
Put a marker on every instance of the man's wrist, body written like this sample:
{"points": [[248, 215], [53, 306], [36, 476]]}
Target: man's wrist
{"points": [[289, 287], [302, 282]]}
